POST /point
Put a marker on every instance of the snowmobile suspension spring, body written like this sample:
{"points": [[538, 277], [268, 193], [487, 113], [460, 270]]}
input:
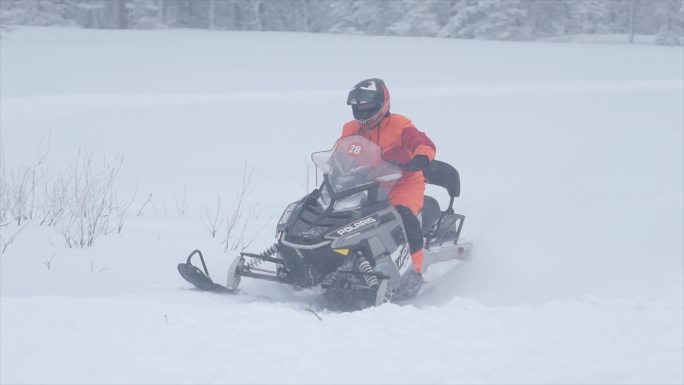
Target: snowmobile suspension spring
{"points": [[367, 270], [270, 252]]}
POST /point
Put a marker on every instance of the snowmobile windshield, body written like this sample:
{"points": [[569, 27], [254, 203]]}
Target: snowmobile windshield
{"points": [[356, 161]]}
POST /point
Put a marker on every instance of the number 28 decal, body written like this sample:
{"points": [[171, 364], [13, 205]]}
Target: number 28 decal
{"points": [[355, 149]]}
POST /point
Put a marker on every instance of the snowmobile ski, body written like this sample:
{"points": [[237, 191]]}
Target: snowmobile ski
{"points": [[200, 279]]}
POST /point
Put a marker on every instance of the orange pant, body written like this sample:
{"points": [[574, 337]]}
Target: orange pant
{"points": [[417, 259], [410, 192]]}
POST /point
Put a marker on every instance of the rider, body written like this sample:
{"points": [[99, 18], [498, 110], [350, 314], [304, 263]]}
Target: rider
{"points": [[401, 143]]}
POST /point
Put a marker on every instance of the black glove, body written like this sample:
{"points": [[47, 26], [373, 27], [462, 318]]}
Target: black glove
{"points": [[418, 163]]}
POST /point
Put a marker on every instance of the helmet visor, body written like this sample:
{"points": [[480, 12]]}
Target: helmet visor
{"points": [[360, 96], [364, 111]]}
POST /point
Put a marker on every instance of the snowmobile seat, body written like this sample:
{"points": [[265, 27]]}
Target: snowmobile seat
{"points": [[444, 175], [447, 226]]}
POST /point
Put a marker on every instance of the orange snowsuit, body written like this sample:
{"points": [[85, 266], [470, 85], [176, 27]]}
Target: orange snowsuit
{"points": [[400, 141]]}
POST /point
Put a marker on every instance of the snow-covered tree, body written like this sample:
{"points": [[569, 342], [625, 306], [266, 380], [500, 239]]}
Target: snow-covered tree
{"points": [[419, 19], [144, 14], [89, 14], [345, 15], [9, 16], [487, 19], [120, 12], [36, 12], [212, 14], [547, 18], [370, 17], [255, 8], [285, 15], [590, 17], [672, 30]]}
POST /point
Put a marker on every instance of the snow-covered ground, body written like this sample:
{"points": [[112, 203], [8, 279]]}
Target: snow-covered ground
{"points": [[571, 159]]}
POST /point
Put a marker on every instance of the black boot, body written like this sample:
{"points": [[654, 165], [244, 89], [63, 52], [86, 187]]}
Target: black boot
{"points": [[410, 286]]}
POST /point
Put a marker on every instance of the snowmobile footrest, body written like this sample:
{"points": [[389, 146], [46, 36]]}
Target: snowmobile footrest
{"points": [[361, 275]]}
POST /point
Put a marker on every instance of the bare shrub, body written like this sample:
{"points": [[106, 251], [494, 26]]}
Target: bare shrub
{"points": [[53, 200], [212, 221], [122, 210], [20, 191], [240, 219], [92, 268], [81, 202], [7, 240], [180, 206], [10, 226], [242, 242], [24, 183], [48, 261], [233, 220], [90, 201], [18, 196], [148, 201], [5, 203]]}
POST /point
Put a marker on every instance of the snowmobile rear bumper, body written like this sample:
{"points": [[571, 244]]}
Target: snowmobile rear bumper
{"points": [[459, 252]]}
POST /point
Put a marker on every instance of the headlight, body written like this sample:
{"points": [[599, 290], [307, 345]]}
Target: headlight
{"points": [[351, 202]]}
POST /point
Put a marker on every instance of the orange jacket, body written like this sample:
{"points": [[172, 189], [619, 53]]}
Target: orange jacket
{"points": [[400, 142], [399, 139]]}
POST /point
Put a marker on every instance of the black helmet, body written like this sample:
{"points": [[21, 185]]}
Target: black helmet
{"points": [[370, 101]]}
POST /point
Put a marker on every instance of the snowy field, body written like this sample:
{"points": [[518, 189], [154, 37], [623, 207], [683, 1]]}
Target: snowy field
{"points": [[571, 160]]}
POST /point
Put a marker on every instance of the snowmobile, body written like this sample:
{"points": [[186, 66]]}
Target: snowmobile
{"points": [[346, 237]]}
